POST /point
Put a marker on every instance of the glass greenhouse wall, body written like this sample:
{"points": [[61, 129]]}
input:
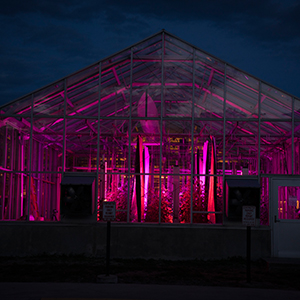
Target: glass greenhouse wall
{"points": [[160, 126]]}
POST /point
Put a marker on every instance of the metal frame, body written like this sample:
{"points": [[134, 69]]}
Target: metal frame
{"points": [[138, 71]]}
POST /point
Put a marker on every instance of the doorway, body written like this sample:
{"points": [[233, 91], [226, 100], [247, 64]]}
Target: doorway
{"points": [[285, 217]]}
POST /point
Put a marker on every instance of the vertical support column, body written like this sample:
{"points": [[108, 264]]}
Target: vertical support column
{"points": [[293, 134], [259, 132], [175, 193], [97, 200], [22, 179], [30, 160], [192, 146], [51, 196], [224, 137], [12, 175], [161, 121], [40, 177], [5, 174], [64, 129], [129, 138], [17, 182]]}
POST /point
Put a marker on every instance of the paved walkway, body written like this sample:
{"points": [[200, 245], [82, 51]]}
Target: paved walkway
{"points": [[47, 291]]}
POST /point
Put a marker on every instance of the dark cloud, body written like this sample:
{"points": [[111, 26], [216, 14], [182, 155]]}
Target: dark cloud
{"points": [[42, 41], [267, 20]]}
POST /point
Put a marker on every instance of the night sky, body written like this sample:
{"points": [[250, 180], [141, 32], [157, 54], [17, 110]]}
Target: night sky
{"points": [[42, 41]]}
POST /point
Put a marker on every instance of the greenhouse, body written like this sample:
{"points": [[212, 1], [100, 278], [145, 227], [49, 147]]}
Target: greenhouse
{"points": [[169, 132]]}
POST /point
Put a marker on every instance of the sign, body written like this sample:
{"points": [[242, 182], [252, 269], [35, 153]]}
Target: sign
{"points": [[249, 214], [109, 210]]}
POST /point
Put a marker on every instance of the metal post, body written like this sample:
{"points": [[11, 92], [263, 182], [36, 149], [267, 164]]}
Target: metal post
{"points": [[129, 138], [293, 134], [30, 160], [107, 248], [224, 137], [161, 122], [98, 146], [192, 146], [259, 131], [248, 253]]}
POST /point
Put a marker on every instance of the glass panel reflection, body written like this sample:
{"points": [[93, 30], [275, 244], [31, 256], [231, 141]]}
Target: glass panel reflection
{"points": [[288, 202]]}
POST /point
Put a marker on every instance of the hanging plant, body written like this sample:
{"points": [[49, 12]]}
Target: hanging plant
{"points": [[199, 203], [119, 195], [152, 213]]}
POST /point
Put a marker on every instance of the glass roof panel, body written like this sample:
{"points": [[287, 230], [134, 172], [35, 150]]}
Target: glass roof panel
{"points": [[297, 108], [274, 137], [274, 103], [82, 92], [174, 46], [151, 46], [241, 139], [49, 100], [209, 61], [241, 94], [146, 79], [209, 87], [120, 58], [115, 85], [20, 107]]}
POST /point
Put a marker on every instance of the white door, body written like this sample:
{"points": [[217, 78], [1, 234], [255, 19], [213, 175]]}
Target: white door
{"points": [[285, 217]]}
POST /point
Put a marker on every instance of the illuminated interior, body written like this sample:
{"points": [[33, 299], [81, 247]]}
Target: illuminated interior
{"points": [[160, 129]]}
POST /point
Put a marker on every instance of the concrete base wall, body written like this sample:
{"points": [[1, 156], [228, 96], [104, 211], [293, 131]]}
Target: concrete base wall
{"points": [[132, 240]]}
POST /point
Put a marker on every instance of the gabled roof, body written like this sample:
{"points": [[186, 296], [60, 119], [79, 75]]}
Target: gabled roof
{"points": [[187, 73]]}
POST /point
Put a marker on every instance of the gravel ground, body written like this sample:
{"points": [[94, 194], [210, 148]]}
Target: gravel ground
{"points": [[231, 272]]}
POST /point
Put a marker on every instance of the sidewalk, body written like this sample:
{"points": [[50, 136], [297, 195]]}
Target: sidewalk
{"points": [[47, 291]]}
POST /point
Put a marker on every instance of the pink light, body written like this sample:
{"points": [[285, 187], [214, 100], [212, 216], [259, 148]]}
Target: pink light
{"points": [[115, 112]]}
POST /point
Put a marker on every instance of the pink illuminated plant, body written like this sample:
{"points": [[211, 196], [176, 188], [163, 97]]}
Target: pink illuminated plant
{"points": [[119, 195], [152, 213], [199, 203]]}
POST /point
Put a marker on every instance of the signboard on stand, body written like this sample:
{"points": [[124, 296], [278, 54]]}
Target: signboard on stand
{"points": [[109, 210], [249, 214]]}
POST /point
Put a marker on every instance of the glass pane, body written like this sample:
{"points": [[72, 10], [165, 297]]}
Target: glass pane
{"points": [[264, 201], [47, 144], [241, 95], [208, 146], [115, 85], [121, 58], [174, 46], [207, 200], [275, 104], [115, 90], [15, 141], [13, 196], [288, 202], [49, 100], [178, 89], [44, 197], [241, 148], [118, 192], [209, 87], [21, 106], [177, 145], [152, 46], [81, 145], [297, 109], [297, 147], [83, 92], [276, 148]]}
